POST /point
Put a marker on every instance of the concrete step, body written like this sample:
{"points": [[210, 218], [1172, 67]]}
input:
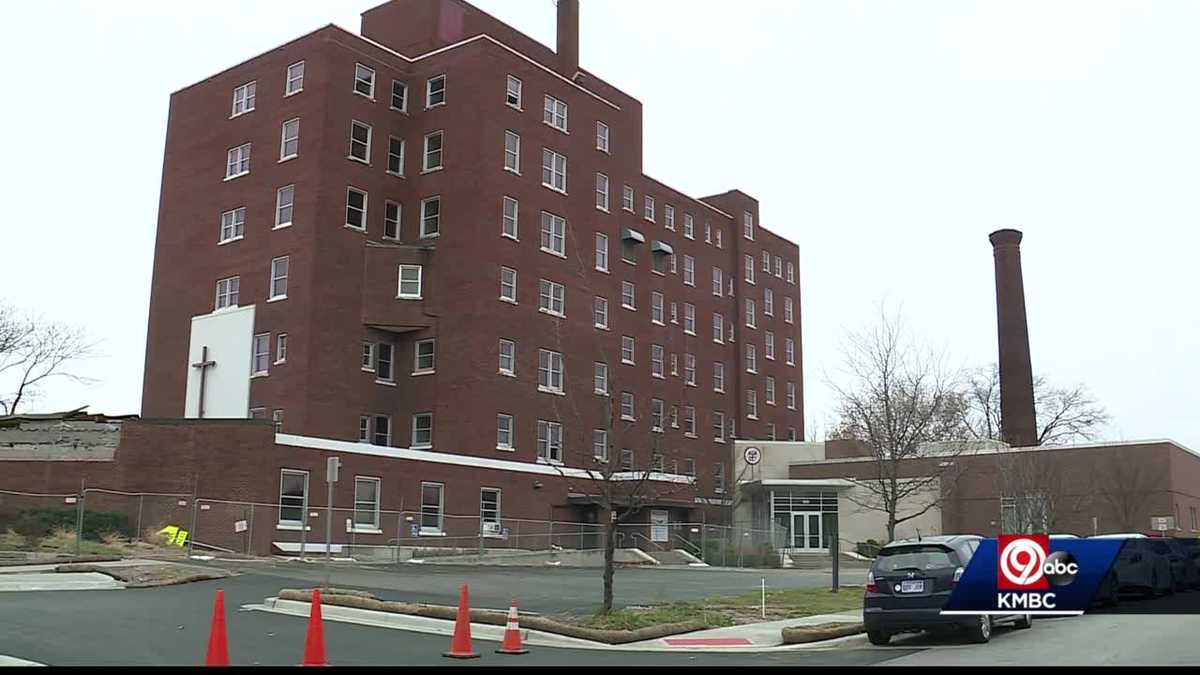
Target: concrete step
{"points": [[674, 557]]}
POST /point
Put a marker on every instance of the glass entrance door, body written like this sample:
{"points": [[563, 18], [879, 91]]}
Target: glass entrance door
{"points": [[806, 531]]}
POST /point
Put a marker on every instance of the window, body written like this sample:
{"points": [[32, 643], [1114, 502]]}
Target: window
{"points": [[227, 292], [789, 351], [383, 430], [391, 220], [748, 225], [243, 99], [602, 136], [658, 356], [787, 310], [285, 202], [399, 96], [751, 359], [669, 217], [554, 234], [751, 404], [791, 395], [675, 365], [719, 377], [552, 298], [718, 427], [233, 225], [431, 507], [718, 286], [770, 390], [281, 348], [628, 410], [550, 371], [368, 357], [768, 302], [383, 362], [674, 313], [549, 436], [791, 433], [656, 307], [600, 378], [658, 262], [718, 328], [261, 358], [628, 295], [707, 233], [295, 79], [627, 198], [410, 282], [424, 356], [435, 91], [422, 431], [600, 312], [766, 258], [749, 269], [674, 417], [356, 209], [289, 143], [508, 357], [512, 93], [689, 369], [689, 271], [364, 80], [504, 432], [778, 267], [279, 278], [689, 318], [431, 217], [554, 170], [395, 165], [360, 142], [555, 113], [602, 252], [629, 249], [277, 421], [689, 226], [719, 478], [770, 352], [237, 162], [791, 273], [602, 192], [600, 445], [628, 351], [512, 152], [648, 210], [508, 284], [771, 431], [627, 459], [718, 239], [366, 503], [689, 420], [751, 314], [657, 413], [433, 152], [489, 510], [293, 496]]}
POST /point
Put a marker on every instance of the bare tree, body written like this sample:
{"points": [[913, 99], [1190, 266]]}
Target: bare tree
{"points": [[901, 402], [1124, 485], [32, 351], [1064, 414], [1035, 495]]}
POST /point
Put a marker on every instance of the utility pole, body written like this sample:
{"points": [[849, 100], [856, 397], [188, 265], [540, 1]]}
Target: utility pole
{"points": [[331, 476]]}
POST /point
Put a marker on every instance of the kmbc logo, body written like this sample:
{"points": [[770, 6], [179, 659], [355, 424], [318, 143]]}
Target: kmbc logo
{"points": [[1026, 564]]}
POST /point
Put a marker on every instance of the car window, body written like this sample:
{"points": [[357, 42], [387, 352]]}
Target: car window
{"points": [[1160, 547], [915, 557]]}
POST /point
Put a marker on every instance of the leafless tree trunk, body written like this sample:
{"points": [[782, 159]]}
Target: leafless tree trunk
{"points": [[1066, 414], [1124, 485], [32, 351], [898, 399]]}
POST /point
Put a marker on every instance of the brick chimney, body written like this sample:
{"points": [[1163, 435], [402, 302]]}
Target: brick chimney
{"points": [[568, 37], [1018, 422]]}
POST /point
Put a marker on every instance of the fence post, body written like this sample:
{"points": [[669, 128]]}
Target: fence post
{"points": [[79, 517], [137, 535], [192, 529], [304, 524], [833, 550], [250, 531]]}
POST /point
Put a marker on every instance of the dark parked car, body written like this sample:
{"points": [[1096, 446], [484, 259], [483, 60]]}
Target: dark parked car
{"points": [[910, 582], [1139, 568], [1184, 570]]}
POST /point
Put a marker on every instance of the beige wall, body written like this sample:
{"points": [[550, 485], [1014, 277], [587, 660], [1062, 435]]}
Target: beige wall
{"points": [[860, 523], [776, 456]]}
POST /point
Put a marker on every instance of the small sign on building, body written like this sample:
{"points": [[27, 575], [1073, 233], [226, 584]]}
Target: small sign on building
{"points": [[416, 530], [241, 526], [1162, 523]]}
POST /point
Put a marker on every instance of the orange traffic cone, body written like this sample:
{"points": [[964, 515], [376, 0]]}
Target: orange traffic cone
{"points": [[218, 646], [460, 646], [512, 634], [314, 643]]}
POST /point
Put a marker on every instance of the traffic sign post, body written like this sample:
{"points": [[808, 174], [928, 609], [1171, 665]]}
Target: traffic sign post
{"points": [[332, 465]]}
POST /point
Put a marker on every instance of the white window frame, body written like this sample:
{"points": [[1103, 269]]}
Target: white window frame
{"points": [[511, 347], [602, 137], [748, 225], [392, 224], [791, 395], [503, 420], [426, 166], [440, 513], [601, 252], [658, 361], [425, 218], [751, 356], [718, 426], [510, 222], [689, 226], [600, 376], [689, 370], [789, 351], [719, 377], [284, 139], [276, 277], [689, 318], [751, 313], [484, 516], [291, 77], [627, 198], [718, 329], [383, 374], [791, 273], [280, 223], [628, 295], [416, 429], [292, 524], [403, 107], [669, 217], [600, 445], [749, 276], [628, 403], [396, 157], [751, 404], [600, 313], [233, 225], [549, 442], [554, 113], [631, 343], [512, 151], [649, 208], [658, 415], [658, 303], [365, 197], [355, 125], [401, 294], [551, 371], [769, 346], [689, 270], [510, 92], [769, 396], [248, 97], [552, 169], [372, 509], [229, 292], [602, 192], [418, 369], [768, 302], [513, 297], [260, 353], [552, 298], [718, 282], [235, 158], [369, 80], [429, 92], [281, 341], [554, 234]]}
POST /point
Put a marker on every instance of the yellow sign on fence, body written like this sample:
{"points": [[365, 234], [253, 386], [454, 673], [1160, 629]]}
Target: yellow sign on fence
{"points": [[175, 535]]}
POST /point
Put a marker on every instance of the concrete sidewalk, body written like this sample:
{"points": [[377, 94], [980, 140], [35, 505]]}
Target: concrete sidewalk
{"points": [[51, 581], [14, 661], [756, 637], [49, 567]]}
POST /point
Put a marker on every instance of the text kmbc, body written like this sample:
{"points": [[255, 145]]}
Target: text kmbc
{"points": [[1026, 564]]}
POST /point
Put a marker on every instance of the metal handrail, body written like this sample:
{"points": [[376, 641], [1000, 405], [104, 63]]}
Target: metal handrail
{"points": [[691, 547], [639, 535]]}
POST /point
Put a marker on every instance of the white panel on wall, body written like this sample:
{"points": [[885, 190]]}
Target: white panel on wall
{"points": [[229, 335]]}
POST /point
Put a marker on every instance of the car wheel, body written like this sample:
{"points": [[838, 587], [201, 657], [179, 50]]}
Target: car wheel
{"points": [[879, 637], [1024, 621], [982, 631]]}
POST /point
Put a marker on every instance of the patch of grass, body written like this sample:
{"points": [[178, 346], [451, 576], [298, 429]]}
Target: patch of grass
{"points": [[635, 618], [795, 602]]}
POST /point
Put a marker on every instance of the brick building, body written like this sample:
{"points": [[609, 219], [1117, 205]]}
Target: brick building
{"points": [[437, 239]]}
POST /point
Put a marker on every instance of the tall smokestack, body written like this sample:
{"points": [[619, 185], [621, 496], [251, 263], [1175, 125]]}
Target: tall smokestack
{"points": [[1018, 422], [568, 37]]}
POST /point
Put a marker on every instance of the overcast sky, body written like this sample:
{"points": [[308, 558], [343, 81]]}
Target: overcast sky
{"points": [[886, 138]]}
